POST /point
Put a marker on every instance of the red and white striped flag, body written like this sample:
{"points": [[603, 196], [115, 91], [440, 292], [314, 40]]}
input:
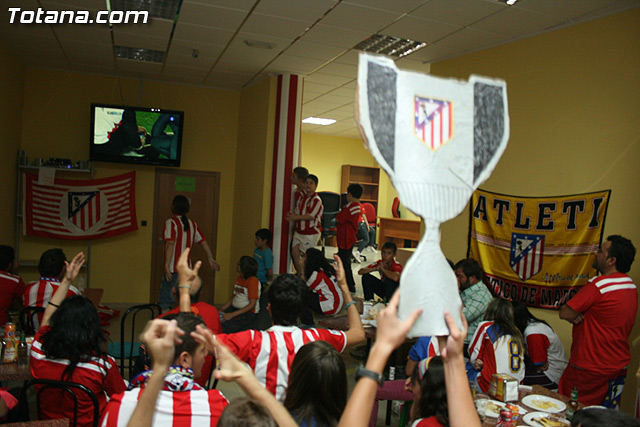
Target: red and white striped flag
{"points": [[80, 209]]}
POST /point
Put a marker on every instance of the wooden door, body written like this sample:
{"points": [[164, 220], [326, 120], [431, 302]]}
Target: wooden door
{"points": [[203, 191]]}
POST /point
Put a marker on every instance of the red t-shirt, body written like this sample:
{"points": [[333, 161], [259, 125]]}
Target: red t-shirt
{"points": [[99, 374], [348, 219], [211, 317], [11, 287], [395, 267], [608, 304]]}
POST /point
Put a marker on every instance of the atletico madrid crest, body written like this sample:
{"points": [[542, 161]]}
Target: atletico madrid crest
{"points": [[83, 208], [527, 251], [433, 121]]}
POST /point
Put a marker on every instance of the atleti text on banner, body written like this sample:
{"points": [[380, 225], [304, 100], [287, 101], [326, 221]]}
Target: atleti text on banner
{"points": [[537, 250], [80, 209]]}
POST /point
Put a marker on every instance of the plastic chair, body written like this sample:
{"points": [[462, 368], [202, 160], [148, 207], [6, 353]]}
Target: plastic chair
{"points": [[26, 319], [64, 387], [395, 208], [329, 224], [126, 351], [372, 218]]}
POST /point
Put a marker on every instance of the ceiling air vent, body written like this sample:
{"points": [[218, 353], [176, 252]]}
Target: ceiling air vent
{"points": [[138, 54], [390, 46]]}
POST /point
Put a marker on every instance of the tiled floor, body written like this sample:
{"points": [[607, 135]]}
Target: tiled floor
{"points": [[231, 390]]}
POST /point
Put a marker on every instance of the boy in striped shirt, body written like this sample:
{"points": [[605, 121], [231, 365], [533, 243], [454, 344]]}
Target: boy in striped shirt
{"points": [[307, 216]]}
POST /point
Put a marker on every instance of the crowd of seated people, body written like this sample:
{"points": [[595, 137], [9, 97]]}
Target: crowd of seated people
{"points": [[292, 376]]}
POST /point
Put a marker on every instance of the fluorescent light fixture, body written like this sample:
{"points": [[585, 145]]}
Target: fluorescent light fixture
{"points": [[511, 2], [389, 45], [259, 44], [139, 54], [318, 121]]}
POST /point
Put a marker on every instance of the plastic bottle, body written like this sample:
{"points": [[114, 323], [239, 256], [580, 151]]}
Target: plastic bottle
{"points": [[572, 407], [9, 349], [23, 351]]}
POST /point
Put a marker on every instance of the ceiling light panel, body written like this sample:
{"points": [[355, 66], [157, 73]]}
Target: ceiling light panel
{"points": [[137, 54], [395, 47]]}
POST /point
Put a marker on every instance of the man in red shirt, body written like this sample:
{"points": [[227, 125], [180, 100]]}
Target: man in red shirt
{"points": [[603, 313], [389, 270], [348, 219], [11, 286]]}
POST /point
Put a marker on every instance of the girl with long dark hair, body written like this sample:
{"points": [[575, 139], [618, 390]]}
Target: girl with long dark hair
{"points": [[325, 296], [496, 346], [69, 347], [179, 233], [545, 358], [430, 394], [317, 391]]}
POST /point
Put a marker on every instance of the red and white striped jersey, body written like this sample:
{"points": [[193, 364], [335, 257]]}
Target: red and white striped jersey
{"points": [[99, 374], [11, 287], [327, 288], [174, 232], [193, 408], [500, 354], [39, 293], [270, 353], [309, 205], [544, 345]]}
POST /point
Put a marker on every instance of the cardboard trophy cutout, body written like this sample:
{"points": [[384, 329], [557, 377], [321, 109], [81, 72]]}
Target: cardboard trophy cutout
{"points": [[437, 139]]}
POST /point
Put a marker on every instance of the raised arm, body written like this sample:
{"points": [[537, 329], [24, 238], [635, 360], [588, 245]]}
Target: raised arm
{"points": [[71, 272], [232, 369], [355, 333], [188, 281], [160, 338], [462, 411], [390, 334]]}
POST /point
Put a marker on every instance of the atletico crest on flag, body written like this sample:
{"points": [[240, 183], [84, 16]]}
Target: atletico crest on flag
{"points": [[527, 252], [80, 209], [433, 121]]}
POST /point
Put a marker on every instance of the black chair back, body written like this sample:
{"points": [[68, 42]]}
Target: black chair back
{"points": [[26, 319], [331, 205], [127, 356], [64, 388]]}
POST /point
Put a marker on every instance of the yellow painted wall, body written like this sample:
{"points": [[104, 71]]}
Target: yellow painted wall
{"points": [[574, 100], [55, 123], [11, 96], [324, 156], [254, 162]]}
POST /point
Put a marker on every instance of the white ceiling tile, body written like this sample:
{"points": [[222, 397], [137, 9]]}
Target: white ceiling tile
{"points": [[301, 10], [517, 22], [274, 26], [158, 28], [228, 66], [314, 50], [202, 34], [329, 79], [86, 53], [458, 12], [419, 29], [350, 16], [94, 69], [193, 73], [338, 69], [402, 6], [93, 5], [205, 51], [617, 7], [44, 59], [432, 53], [188, 61], [333, 36], [188, 79], [469, 39], [211, 16], [289, 63], [140, 42], [407, 63], [245, 5], [349, 58], [101, 35]]}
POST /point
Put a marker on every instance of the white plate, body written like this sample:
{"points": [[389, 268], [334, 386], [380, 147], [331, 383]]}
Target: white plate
{"points": [[529, 419], [544, 403], [481, 404]]}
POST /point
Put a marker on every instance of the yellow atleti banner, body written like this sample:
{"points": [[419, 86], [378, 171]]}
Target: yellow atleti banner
{"points": [[537, 250]]}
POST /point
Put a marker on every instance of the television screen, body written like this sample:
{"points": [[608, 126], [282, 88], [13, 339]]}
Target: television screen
{"points": [[150, 136]]}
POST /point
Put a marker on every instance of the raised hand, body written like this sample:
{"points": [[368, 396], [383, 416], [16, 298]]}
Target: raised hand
{"points": [[160, 337], [186, 274], [72, 269], [391, 330]]}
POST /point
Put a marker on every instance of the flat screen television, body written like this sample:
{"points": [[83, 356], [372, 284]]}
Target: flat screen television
{"points": [[145, 136]]}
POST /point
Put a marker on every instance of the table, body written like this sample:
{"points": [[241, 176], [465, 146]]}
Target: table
{"points": [[398, 230], [14, 372], [536, 389]]}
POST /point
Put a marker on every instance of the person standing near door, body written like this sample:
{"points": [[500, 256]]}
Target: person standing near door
{"points": [[179, 233]]}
